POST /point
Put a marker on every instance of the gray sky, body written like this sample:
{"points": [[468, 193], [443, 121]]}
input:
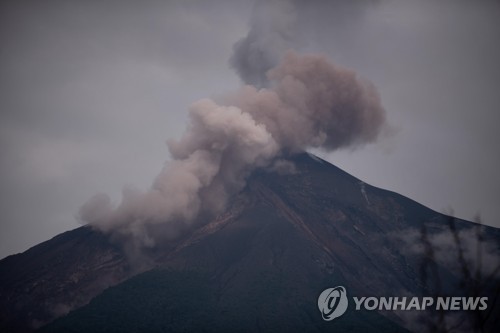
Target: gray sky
{"points": [[90, 91]]}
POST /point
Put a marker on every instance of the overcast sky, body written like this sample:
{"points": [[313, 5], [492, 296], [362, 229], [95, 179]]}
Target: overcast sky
{"points": [[91, 90]]}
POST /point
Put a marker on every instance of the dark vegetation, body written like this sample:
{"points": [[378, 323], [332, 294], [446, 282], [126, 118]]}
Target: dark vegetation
{"points": [[473, 280]]}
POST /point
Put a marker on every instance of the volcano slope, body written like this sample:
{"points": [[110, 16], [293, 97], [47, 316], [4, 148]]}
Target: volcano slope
{"points": [[261, 265]]}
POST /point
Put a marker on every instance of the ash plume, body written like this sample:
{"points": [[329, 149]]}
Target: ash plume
{"points": [[221, 145], [309, 103], [277, 26], [272, 32], [313, 103], [292, 102]]}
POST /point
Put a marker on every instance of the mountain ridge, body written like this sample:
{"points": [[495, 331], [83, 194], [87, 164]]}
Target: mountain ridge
{"points": [[302, 231]]}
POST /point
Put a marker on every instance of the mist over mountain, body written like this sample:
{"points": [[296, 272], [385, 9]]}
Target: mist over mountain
{"points": [[260, 265]]}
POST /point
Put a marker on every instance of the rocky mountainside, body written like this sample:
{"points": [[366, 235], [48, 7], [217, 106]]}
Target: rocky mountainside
{"points": [[56, 276], [261, 265]]}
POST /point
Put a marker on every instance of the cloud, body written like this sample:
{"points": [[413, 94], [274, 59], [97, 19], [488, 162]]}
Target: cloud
{"points": [[272, 32], [310, 102], [480, 253]]}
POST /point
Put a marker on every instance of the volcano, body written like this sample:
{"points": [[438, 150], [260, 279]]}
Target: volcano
{"points": [[261, 265]]}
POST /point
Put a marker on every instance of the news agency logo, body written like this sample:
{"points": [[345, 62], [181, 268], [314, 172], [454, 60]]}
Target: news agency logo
{"points": [[332, 303]]}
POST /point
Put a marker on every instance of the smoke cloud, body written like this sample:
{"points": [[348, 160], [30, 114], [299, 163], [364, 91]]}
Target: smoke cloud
{"points": [[313, 103], [309, 103], [272, 31], [208, 163], [292, 102], [277, 26]]}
